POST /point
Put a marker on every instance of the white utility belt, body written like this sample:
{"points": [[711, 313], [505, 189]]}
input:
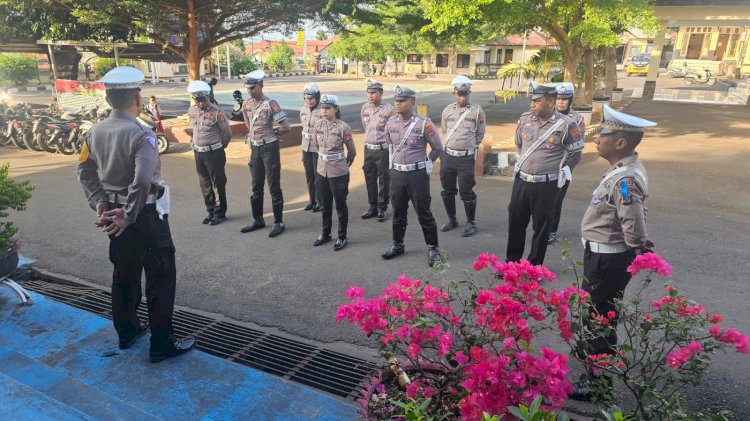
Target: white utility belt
{"points": [[122, 200], [603, 248], [542, 178], [262, 141], [409, 167], [331, 157], [208, 148], [308, 136], [459, 153], [375, 146]]}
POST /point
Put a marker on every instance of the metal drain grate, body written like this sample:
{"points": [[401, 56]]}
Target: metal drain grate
{"points": [[323, 369]]}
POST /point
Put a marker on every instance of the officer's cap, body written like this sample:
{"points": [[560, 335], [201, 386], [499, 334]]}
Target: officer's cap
{"points": [[373, 85], [198, 89], [403, 92], [310, 90], [614, 121], [254, 77], [539, 90], [565, 90], [327, 101], [123, 77], [461, 84]]}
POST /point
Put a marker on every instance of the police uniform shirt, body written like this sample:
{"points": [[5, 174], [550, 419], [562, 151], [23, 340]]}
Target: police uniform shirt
{"points": [[579, 120], [415, 148], [330, 138], [546, 159], [268, 112], [471, 131], [374, 119], [309, 120], [612, 217], [119, 156], [210, 125]]}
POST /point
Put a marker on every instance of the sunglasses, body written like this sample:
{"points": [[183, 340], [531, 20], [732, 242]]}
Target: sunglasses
{"points": [[200, 99]]}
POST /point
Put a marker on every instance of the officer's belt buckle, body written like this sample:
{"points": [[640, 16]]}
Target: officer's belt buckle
{"points": [[409, 167], [459, 153], [262, 141], [331, 157], [375, 146], [603, 248], [207, 148], [307, 136], [541, 178]]}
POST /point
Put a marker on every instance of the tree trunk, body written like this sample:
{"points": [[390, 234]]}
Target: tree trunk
{"points": [[610, 75], [588, 76], [570, 58], [192, 54]]}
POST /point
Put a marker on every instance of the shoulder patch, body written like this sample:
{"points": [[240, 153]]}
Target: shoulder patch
{"points": [[151, 139], [574, 131], [430, 128], [275, 106], [84, 155], [221, 116]]}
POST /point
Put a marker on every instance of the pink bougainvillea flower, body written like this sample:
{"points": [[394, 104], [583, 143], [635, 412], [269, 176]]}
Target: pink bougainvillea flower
{"points": [[461, 358], [716, 318], [412, 389], [355, 292], [651, 262], [428, 392], [611, 315], [714, 331], [446, 342]]}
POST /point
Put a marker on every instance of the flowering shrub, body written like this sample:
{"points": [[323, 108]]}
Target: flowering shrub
{"points": [[666, 345], [470, 348]]}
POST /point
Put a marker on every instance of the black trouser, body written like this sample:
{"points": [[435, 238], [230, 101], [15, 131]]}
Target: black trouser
{"points": [[414, 186], [461, 169], [213, 180], [144, 245], [330, 189], [377, 178], [535, 201], [606, 277], [558, 206], [310, 162], [265, 162]]}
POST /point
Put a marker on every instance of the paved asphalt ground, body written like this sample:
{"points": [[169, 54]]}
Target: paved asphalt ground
{"points": [[698, 218]]}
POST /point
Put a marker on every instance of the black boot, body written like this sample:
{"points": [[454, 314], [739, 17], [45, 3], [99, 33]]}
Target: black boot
{"points": [[433, 255], [278, 225], [450, 208], [256, 205], [396, 249], [471, 227]]}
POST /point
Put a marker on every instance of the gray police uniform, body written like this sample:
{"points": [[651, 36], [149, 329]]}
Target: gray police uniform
{"points": [[463, 134], [331, 137], [377, 178], [211, 134], [265, 161], [544, 147], [309, 119], [120, 164], [564, 189]]}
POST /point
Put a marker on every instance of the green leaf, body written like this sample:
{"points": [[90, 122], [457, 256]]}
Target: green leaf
{"points": [[535, 405], [518, 413]]}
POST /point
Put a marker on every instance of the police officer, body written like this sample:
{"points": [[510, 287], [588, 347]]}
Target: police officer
{"points": [[309, 114], [211, 134], [331, 136], [563, 105], [375, 113], [119, 169], [547, 143], [463, 126], [407, 136], [261, 114], [613, 229]]}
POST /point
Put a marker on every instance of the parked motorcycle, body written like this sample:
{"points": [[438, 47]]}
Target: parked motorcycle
{"points": [[237, 108], [704, 79], [19, 128], [148, 120], [675, 71]]}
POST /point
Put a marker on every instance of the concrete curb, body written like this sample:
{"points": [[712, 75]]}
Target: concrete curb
{"points": [[29, 89]]}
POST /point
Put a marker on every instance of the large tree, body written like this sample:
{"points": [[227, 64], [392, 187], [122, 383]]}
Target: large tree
{"points": [[576, 25], [190, 28]]}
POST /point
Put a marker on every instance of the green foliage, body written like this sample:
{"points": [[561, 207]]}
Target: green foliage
{"points": [[321, 35], [416, 410], [13, 195], [17, 68], [534, 413], [243, 65], [281, 58], [102, 65]]}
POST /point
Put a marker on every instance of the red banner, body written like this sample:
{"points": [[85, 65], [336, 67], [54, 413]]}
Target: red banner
{"points": [[73, 95]]}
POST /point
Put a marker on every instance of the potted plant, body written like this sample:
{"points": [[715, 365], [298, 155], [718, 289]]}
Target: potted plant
{"points": [[13, 195]]}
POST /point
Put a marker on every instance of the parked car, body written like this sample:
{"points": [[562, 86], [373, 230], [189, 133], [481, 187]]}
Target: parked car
{"points": [[638, 65]]}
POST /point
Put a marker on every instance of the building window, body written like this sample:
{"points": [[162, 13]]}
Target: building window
{"points": [[441, 60], [733, 44], [463, 60], [414, 58], [487, 55], [499, 56], [695, 43], [508, 55]]}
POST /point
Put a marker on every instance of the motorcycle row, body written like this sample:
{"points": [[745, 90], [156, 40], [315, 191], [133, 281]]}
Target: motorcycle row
{"points": [[691, 76], [51, 130]]}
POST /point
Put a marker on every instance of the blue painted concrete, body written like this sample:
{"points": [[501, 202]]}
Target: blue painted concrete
{"points": [[80, 349], [19, 401]]}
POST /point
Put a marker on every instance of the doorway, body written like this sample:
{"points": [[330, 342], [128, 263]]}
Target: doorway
{"points": [[721, 46]]}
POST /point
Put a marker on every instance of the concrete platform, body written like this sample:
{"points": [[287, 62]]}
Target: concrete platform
{"points": [[61, 363]]}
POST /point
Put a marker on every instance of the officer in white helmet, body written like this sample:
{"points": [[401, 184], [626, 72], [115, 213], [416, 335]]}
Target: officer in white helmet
{"points": [[120, 171], [375, 114], [463, 125], [211, 135], [309, 114]]}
